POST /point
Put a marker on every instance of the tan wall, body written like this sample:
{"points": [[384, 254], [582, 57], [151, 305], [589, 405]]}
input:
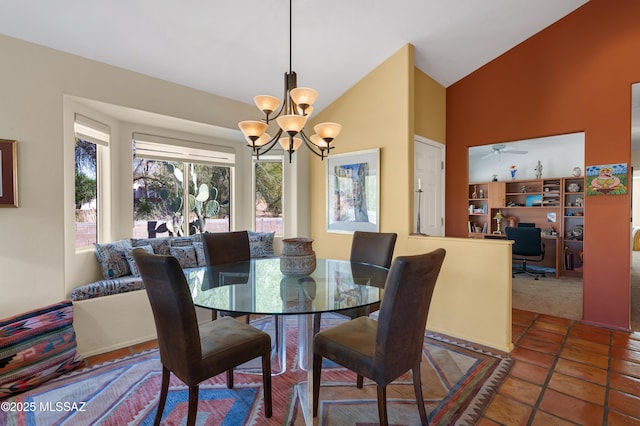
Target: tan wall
{"points": [[471, 301], [430, 111], [373, 113]]}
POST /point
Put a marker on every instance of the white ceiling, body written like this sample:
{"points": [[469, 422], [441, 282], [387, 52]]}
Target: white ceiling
{"points": [[239, 48]]}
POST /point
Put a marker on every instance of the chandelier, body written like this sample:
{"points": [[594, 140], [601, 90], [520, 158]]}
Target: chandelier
{"points": [[297, 106]]}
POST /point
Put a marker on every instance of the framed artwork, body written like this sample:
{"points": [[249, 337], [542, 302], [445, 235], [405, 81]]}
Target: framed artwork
{"points": [[608, 179], [8, 173], [353, 191]]}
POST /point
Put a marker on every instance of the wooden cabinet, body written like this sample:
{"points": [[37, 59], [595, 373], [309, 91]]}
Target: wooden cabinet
{"points": [[555, 205], [573, 225]]}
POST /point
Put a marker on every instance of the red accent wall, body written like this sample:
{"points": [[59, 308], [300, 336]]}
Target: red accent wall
{"points": [[575, 75]]}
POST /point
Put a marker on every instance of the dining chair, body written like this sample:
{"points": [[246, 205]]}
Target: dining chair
{"points": [[527, 247], [385, 349], [191, 352], [375, 248], [221, 248]]}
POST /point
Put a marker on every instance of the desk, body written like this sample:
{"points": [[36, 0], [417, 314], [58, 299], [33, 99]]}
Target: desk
{"points": [[258, 287]]}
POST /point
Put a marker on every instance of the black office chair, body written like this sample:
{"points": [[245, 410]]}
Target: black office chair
{"points": [[527, 247], [526, 225]]}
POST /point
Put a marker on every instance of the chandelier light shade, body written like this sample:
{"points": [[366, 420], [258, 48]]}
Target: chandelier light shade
{"points": [[291, 115]]}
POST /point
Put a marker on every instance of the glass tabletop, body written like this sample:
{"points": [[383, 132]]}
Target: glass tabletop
{"points": [[258, 287]]}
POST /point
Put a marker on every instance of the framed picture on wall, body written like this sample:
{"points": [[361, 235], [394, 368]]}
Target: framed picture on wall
{"points": [[8, 173], [353, 191]]}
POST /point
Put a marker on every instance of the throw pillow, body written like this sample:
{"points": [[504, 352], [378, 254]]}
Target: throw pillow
{"points": [[132, 262], [112, 260], [186, 256], [261, 244], [200, 255], [160, 245], [36, 346]]}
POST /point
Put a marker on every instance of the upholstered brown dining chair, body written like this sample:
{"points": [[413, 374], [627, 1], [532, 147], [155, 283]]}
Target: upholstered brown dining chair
{"points": [[385, 349], [375, 248], [191, 352], [221, 248]]}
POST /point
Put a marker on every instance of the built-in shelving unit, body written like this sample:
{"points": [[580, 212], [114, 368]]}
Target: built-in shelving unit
{"points": [[556, 205]]}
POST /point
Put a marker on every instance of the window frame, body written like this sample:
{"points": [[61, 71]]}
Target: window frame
{"points": [[162, 148], [269, 158], [99, 134]]}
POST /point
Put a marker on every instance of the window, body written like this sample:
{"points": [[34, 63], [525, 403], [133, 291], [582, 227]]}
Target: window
{"points": [[268, 194], [91, 137], [172, 182]]}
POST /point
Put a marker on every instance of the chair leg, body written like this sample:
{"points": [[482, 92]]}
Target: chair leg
{"points": [[214, 315], [359, 382], [266, 383], [382, 405], [193, 405], [417, 386], [164, 390], [230, 378], [317, 371], [316, 322]]}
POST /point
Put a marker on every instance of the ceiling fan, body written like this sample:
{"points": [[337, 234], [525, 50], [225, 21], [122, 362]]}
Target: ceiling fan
{"points": [[502, 149]]}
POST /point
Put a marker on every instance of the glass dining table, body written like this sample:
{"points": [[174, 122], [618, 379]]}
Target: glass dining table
{"points": [[259, 287]]}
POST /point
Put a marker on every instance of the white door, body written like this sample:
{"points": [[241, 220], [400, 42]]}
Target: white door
{"points": [[429, 175]]}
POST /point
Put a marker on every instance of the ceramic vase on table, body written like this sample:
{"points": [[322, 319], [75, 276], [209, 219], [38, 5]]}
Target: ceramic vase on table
{"points": [[298, 258]]}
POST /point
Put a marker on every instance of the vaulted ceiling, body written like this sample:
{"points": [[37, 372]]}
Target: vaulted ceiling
{"points": [[240, 48]]}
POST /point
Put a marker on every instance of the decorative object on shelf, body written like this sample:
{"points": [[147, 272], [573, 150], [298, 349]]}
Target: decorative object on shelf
{"points": [[576, 233], [8, 173], [568, 259], [573, 187], [353, 191], [474, 195], [579, 202], [498, 217], [298, 258], [538, 170], [523, 189], [481, 193], [576, 171], [513, 171], [494, 178], [609, 179], [291, 118], [512, 221]]}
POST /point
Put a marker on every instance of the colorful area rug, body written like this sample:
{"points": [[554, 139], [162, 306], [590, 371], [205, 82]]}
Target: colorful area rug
{"points": [[458, 383]]}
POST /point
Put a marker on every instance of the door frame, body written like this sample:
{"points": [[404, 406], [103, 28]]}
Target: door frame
{"points": [[442, 148]]}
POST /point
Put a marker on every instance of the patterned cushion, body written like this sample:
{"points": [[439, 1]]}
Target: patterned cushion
{"points": [[186, 256], [160, 245], [185, 241], [261, 244], [200, 255], [112, 260], [107, 288], [132, 263], [35, 347]]}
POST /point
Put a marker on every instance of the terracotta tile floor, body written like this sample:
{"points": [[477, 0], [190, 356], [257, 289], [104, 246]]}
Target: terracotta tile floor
{"points": [[568, 373], [565, 373]]}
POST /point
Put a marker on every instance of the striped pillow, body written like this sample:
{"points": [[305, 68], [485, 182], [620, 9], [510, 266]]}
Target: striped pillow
{"points": [[35, 347]]}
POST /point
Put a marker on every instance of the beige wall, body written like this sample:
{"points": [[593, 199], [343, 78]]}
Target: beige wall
{"points": [[33, 82], [373, 113], [471, 301], [430, 110]]}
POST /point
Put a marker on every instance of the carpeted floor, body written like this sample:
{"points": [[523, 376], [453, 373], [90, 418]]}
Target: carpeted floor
{"points": [[562, 297], [458, 382]]}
